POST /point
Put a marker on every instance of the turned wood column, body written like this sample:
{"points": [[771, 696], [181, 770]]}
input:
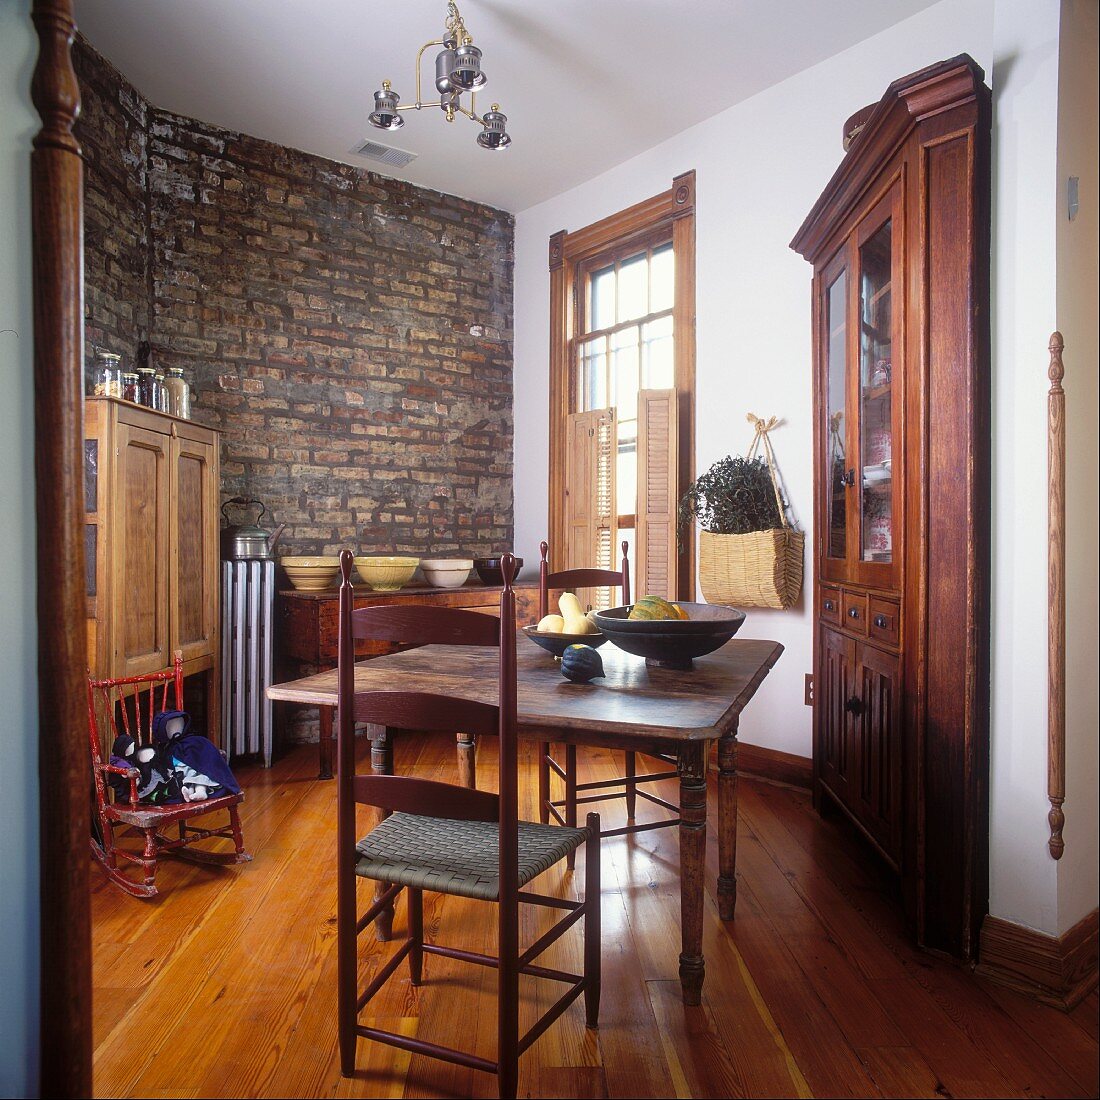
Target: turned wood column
{"points": [[693, 853]]}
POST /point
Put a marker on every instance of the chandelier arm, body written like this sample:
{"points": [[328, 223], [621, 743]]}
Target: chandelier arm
{"points": [[419, 59]]}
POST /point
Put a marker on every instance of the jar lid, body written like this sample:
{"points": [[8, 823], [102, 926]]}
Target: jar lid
{"points": [[110, 357], [176, 372], [145, 370], [129, 376]]}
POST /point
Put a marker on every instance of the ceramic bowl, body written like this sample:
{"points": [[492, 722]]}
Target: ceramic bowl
{"points": [[310, 574], [672, 643], [446, 572], [488, 569], [386, 574], [558, 643]]}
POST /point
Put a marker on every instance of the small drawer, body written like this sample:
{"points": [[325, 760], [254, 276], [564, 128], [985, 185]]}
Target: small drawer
{"points": [[853, 612], [883, 621], [830, 604]]}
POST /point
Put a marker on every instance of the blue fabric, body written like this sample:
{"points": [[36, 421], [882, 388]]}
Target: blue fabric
{"points": [[201, 754]]}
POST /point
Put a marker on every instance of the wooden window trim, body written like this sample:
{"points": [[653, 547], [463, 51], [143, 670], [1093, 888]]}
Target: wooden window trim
{"points": [[671, 213]]}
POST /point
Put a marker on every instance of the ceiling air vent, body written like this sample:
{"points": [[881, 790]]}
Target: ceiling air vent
{"points": [[384, 154]]}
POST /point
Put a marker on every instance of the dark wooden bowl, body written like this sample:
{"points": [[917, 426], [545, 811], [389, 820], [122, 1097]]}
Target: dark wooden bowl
{"points": [[672, 643], [559, 643], [488, 569]]}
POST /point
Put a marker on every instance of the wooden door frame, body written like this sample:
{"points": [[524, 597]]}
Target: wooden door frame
{"points": [[673, 209], [57, 216]]}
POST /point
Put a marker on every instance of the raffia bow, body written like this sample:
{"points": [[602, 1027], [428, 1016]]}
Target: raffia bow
{"points": [[760, 440]]}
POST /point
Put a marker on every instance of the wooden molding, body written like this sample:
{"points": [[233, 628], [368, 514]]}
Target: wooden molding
{"points": [[1056, 597], [1057, 970], [57, 207], [757, 762]]}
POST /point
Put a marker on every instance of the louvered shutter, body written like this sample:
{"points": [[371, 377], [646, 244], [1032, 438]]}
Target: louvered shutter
{"points": [[657, 493], [590, 516]]}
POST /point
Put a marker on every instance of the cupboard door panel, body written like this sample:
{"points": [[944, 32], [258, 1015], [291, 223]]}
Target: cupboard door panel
{"points": [[876, 727], [834, 690], [139, 564], [193, 592]]}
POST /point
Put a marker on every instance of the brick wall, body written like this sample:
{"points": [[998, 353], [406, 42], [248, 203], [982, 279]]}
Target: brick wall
{"points": [[349, 333]]}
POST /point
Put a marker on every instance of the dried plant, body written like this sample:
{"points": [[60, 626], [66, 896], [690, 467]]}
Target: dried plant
{"points": [[735, 496]]}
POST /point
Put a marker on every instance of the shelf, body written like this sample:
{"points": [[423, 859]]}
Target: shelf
{"points": [[876, 393], [883, 290]]}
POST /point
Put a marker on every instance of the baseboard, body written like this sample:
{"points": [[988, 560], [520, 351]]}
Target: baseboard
{"points": [[773, 765], [1057, 970]]}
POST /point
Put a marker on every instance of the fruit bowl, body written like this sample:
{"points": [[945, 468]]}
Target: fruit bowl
{"points": [[671, 643], [558, 643], [386, 574], [309, 574]]}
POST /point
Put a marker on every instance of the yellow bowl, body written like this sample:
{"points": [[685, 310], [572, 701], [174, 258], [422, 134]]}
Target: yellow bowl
{"points": [[309, 574], [386, 574]]}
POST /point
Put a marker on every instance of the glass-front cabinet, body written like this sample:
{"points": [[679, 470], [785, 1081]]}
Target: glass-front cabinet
{"points": [[860, 382]]}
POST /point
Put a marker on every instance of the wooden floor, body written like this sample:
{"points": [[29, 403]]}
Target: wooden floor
{"points": [[225, 985]]}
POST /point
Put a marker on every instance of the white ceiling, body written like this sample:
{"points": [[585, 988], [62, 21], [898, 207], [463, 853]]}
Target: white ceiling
{"points": [[586, 84]]}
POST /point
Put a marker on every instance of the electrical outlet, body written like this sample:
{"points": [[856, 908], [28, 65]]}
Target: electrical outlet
{"points": [[809, 689]]}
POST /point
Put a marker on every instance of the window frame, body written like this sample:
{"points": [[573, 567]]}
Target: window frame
{"points": [[573, 257]]}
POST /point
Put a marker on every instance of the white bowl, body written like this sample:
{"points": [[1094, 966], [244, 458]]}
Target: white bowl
{"points": [[447, 572]]}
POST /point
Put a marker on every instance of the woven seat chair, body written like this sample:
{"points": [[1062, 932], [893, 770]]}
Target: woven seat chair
{"points": [[450, 839], [564, 810]]}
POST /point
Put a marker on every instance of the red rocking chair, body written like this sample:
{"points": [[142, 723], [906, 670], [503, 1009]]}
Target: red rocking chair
{"points": [[136, 700]]}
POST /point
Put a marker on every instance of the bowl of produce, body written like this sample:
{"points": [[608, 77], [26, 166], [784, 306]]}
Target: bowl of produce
{"points": [[488, 569], [556, 633], [311, 574], [386, 573], [446, 572], [669, 635]]}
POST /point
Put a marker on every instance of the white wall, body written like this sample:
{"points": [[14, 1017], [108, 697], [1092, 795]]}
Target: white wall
{"points": [[760, 166], [1078, 243], [18, 689]]}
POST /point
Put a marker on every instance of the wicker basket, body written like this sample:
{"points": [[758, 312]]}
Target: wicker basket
{"points": [[760, 569]]}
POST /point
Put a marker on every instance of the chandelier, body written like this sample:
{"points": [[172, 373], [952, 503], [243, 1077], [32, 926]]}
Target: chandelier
{"points": [[457, 70]]}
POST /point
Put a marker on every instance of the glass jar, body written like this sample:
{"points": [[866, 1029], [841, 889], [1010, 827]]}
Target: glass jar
{"points": [[108, 374], [163, 399], [148, 388], [130, 390], [179, 393]]}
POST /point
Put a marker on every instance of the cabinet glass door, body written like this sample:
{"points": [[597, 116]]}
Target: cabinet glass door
{"points": [[876, 422], [836, 406]]}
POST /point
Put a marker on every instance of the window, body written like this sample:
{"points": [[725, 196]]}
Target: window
{"points": [[622, 381]]}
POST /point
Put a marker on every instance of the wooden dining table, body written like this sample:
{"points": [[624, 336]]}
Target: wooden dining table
{"points": [[679, 713]]}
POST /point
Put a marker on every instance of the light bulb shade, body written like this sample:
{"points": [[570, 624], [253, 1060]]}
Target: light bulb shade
{"points": [[444, 64], [385, 115], [494, 135], [467, 67]]}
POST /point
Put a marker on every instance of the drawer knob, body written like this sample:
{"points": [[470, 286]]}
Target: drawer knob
{"points": [[853, 612], [854, 706], [882, 622], [829, 605]]}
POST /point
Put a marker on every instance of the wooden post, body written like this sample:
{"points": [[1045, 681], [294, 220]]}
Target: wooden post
{"points": [[64, 804], [1056, 594]]}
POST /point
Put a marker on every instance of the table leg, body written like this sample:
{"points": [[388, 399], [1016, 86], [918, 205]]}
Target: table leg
{"points": [[381, 763], [467, 759], [692, 766], [326, 743], [727, 824]]}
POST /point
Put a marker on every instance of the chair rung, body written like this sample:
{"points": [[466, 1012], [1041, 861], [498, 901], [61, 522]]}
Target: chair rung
{"points": [[551, 1015], [380, 978], [494, 963], [632, 780], [552, 807], [659, 801], [553, 903], [555, 767], [592, 798], [549, 937], [432, 1050], [382, 901], [641, 828]]}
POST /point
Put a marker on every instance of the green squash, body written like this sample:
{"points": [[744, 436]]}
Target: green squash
{"points": [[581, 663]]}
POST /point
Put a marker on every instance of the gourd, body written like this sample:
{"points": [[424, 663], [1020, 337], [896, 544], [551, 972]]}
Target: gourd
{"points": [[551, 624], [581, 663], [656, 608], [574, 619]]}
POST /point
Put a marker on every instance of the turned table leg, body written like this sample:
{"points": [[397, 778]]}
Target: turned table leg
{"points": [[381, 763], [692, 766], [467, 759], [325, 743], [727, 824]]}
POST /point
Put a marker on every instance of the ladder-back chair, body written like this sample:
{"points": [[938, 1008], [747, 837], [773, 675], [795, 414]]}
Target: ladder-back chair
{"points": [[128, 706], [564, 810], [450, 839]]}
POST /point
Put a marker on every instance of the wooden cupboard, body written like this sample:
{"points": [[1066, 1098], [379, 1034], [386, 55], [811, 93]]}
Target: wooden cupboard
{"points": [[151, 543], [899, 241]]}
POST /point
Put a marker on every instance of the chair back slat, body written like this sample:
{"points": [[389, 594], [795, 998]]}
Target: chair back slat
{"points": [[581, 578], [403, 794], [425, 625], [416, 710]]}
